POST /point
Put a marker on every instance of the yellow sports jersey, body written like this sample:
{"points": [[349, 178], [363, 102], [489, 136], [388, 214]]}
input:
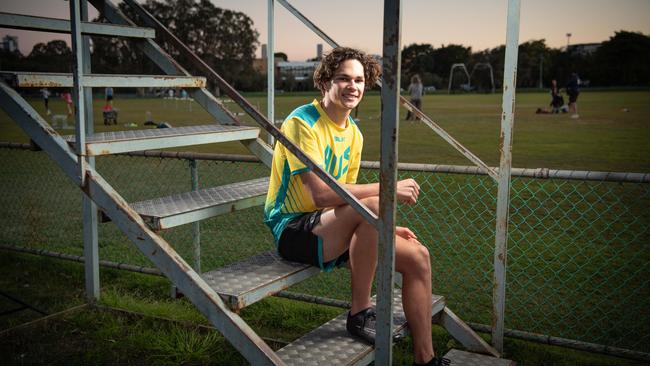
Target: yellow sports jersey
{"points": [[337, 150]]}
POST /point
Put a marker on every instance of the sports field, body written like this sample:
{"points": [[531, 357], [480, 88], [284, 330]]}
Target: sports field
{"points": [[576, 248], [612, 133]]}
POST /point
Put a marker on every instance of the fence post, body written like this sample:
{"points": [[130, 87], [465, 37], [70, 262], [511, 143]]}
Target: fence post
{"points": [[388, 176], [503, 195], [196, 226]]}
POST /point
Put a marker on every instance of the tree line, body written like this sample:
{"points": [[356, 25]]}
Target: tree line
{"points": [[227, 40], [623, 60]]}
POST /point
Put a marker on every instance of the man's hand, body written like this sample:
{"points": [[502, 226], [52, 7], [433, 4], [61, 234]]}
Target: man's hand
{"points": [[405, 233], [408, 191]]}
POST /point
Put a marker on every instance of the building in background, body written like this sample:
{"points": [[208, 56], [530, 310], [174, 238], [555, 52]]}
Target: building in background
{"points": [[10, 43]]}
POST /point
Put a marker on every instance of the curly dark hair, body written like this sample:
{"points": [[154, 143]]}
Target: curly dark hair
{"points": [[332, 60]]}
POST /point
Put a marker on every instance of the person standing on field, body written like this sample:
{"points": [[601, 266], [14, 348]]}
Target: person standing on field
{"points": [[311, 224], [572, 89], [415, 90]]}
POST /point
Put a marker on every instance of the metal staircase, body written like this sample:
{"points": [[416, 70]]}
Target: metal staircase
{"points": [[221, 292]]}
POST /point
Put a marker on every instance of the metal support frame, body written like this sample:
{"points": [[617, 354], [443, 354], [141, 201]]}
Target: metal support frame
{"points": [[241, 336], [62, 80], [503, 195], [169, 66], [196, 225], [91, 241], [254, 113], [53, 25], [391, 63]]}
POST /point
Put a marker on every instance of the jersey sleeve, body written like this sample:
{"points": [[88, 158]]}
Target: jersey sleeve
{"points": [[303, 136]]}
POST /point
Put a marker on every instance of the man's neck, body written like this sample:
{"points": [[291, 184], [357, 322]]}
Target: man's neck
{"points": [[338, 115]]}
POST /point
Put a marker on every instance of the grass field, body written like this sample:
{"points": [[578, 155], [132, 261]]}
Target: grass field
{"points": [[136, 324], [604, 138], [546, 253]]}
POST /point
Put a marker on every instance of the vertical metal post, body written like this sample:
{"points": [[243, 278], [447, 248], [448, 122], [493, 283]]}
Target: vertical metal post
{"points": [[196, 232], [503, 195], [270, 69], [84, 124], [388, 176], [77, 89]]}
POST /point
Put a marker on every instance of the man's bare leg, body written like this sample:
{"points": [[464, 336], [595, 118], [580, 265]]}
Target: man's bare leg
{"points": [[342, 228]]}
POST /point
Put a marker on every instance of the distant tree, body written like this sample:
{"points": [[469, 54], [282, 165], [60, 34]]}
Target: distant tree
{"points": [[53, 56], [11, 60], [528, 62], [446, 56], [417, 59], [224, 39], [623, 60]]}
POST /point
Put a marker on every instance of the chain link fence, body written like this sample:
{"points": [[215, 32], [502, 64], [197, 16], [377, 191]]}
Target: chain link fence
{"points": [[578, 258]]}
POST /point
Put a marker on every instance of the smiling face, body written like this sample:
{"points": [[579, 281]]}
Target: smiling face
{"points": [[344, 92]]}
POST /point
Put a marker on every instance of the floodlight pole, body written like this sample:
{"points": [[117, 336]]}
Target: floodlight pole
{"points": [[503, 195]]}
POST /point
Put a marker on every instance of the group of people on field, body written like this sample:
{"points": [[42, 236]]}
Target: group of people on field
{"points": [[66, 96], [557, 100]]}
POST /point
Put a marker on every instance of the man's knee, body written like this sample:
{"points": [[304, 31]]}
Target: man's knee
{"points": [[421, 259]]}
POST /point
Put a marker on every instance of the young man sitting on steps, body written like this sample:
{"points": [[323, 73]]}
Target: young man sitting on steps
{"points": [[312, 224]]}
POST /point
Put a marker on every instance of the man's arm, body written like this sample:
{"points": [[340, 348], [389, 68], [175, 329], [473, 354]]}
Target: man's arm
{"points": [[324, 196]]}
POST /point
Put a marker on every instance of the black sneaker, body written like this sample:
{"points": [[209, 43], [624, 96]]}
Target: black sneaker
{"points": [[436, 361], [362, 324]]}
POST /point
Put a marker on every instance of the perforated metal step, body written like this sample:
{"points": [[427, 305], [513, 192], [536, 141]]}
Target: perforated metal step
{"points": [[332, 345], [105, 143], [255, 278], [458, 357], [25, 79], [165, 212], [28, 22]]}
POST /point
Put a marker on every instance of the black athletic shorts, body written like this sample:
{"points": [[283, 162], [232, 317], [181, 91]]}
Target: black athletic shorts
{"points": [[298, 243]]}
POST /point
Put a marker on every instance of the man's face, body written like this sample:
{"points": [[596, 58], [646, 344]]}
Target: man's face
{"points": [[345, 90]]}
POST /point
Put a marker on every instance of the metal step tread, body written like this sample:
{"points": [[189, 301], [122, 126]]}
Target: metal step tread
{"points": [[29, 22], [27, 79], [115, 142], [182, 208], [331, 344], [196, 200], [458, 357], [152, 133], [259, 276]]}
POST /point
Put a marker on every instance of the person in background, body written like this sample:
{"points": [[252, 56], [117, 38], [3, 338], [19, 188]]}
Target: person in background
{"points": [[67, 98], [109, 96], [557, 101], [572, 89], [45, 93], [415, 90]]}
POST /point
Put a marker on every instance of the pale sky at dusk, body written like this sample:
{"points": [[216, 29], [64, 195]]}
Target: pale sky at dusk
{"points": [[478, 23]]}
